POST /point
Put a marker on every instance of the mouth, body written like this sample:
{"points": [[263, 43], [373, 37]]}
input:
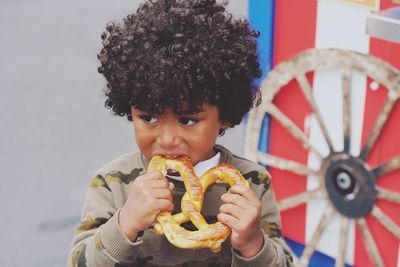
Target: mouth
{"points": [[183, 156], [172, 155]]}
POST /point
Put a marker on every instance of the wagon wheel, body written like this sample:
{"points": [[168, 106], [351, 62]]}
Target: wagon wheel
{"points": [[346, 182]]}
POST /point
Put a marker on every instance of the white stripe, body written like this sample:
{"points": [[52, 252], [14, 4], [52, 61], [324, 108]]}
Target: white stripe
{"points": [[398, 258], [339, 25], [327, 93]]}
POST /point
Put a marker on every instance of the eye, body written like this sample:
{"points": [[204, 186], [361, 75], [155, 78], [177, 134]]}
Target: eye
{"points": [[148, 119], [187, 121]]}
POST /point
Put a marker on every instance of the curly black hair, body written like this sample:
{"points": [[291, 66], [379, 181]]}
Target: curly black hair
{"points": [[172, 52]]}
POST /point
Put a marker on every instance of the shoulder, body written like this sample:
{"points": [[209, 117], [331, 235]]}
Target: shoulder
{"points": [[123, 163], [124, 168], [252, 171]]}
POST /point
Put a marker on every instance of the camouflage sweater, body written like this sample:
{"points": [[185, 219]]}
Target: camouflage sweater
{"points": [[99, 241]]}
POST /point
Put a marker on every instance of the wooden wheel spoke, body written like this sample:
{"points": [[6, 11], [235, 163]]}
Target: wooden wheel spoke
{"points": [[312, 244], [284, 164], [292, 128], [386, 221], [369, 243], [380, 122], [388, 195], [298, 199], [392, 165], [346, 82], [276, 84], [307, 91], [253, 132], [344, 228]]}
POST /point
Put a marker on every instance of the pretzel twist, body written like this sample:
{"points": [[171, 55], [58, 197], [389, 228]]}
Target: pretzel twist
{"points": [[207, 235]]}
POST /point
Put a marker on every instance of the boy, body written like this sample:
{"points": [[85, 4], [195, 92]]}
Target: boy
{"points": [[182, 71]]}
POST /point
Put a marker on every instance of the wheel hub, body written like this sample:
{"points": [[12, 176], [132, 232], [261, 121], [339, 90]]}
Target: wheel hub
{"points": [[350, 185]]}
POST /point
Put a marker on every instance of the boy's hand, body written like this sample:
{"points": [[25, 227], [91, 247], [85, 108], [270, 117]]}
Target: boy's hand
{"points": [[241, 212], [150, 193]]}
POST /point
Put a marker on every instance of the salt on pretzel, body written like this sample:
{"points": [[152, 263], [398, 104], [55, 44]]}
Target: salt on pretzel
{"points": [[207, 235]]}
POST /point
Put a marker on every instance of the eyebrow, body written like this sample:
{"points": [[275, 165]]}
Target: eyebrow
{"points": [[140, 111], [195, 112], [186, 113], [183, 113]]}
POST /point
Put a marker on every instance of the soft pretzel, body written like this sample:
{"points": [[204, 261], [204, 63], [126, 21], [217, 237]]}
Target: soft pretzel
{"points": [[207, 235]]}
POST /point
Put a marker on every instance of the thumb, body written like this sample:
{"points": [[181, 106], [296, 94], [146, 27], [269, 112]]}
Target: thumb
{"points": [[171, 186]]}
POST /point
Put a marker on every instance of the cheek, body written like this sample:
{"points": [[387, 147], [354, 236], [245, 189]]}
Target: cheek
{"points": [[205, 139], [143, 138]]}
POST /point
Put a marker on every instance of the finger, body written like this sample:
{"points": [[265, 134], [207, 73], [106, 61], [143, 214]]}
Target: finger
{"points": [[154, 175], [236, 199], [232, 210], [161, 193], [229, 220], [162, 205], [244, 191], [159, 184]]}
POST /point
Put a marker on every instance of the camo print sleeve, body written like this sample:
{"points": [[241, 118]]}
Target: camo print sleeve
{"points": [[275, 252], [98, 240]]}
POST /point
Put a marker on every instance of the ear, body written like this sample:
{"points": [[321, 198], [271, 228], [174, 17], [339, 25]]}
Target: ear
{"points": [[225, 125]]}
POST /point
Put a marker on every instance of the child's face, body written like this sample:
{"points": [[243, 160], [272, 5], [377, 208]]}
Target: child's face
{"points": [[172, 135]]}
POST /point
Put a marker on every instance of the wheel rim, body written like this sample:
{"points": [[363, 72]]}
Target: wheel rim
{"points": [[346, 182]]}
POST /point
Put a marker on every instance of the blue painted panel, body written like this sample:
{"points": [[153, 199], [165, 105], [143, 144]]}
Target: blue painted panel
{"points": [[261, 17]]}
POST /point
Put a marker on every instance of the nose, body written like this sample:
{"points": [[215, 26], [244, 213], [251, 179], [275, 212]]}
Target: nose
{"points": [[169, 137]]}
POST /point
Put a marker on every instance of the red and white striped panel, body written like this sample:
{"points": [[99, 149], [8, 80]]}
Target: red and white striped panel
{"points": [[304, 24]]}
